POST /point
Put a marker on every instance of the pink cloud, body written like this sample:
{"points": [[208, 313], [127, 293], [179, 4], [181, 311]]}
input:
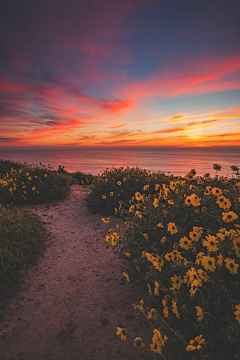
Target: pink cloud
{"points": [[117, 105], [172, 80]]}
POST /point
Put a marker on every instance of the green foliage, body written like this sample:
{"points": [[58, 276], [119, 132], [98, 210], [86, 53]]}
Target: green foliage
{"points": [[21, 241], [7, 165], [83, 179], [118, 184], [33, 184], [183, 245]]}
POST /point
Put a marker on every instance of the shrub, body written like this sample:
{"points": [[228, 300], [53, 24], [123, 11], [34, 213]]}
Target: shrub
{"points": [[118, 184], [7, 165], [183, 244], [33, 184], [21, 241], [83, 179]]}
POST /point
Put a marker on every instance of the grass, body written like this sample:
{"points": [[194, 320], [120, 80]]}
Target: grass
{"points": [[21, 242]]}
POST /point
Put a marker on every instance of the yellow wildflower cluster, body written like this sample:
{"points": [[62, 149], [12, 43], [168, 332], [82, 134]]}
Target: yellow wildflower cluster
{"points": [[183, 241]]}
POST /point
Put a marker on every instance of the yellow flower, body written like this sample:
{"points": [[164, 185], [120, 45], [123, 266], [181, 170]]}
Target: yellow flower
{"points": [[199, 313], [207, 192], [195, 344], [139, 214], [202, 275], [104, 197], [106, 220], [145, 187], [157, 342], [216, 191], [174, 309], [149, 289], [189, 176], [138, 343], [198, 230], [188, 201], [29, 178], [226, 205], [156, 291], [45, 175], [231, 266], [163, 240], [106, 179], [122, 332], [157, 186], [25, 192], [146, 236], [185, 243], [127, 254], [160, 225], [171, 202], [237, 312], [211, 243], [111, 193], [198, 257], [126, 276], [194, 235], [208, 263], [220, 201], [229, 216], [155, 202], [172, 185], [195, 200], [176, 282], [236, 244], [165, 308], [138, 196], [119, 183], [33, 188], [172, 228]]}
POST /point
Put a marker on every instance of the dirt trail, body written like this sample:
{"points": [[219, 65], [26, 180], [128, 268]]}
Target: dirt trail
{"points": [[71, 302]]}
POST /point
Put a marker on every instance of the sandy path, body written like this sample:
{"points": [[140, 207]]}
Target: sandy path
{"points": [[71, 302]]}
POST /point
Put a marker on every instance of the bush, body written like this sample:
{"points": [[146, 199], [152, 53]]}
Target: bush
{"points": [[83, 179], [7, 165], [183, 244], [21, 241], [33, 184], [118, 184]]}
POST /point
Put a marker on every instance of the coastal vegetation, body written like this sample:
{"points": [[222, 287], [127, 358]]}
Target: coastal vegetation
{"points": [[21, 232], [24, 183], [182, 244], [21, 242]]}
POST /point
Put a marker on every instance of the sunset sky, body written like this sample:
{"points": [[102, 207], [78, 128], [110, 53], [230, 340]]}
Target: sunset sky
{"points": [[119, 72]]}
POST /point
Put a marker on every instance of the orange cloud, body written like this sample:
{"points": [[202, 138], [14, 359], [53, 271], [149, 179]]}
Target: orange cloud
{"points": [[117, 105], [117, 126], [176, 117]]}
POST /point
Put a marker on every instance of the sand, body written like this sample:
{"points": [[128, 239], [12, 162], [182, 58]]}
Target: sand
{"points": [[69, 304]]}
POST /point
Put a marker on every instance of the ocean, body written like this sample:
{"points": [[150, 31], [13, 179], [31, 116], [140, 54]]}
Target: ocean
{"points": [[93, 160]]}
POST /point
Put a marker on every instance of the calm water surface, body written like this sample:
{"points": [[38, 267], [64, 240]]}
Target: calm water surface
{"points": [[177, 161]]}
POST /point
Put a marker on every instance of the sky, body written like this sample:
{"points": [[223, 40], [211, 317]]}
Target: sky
{"points": [[119, 73]]}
